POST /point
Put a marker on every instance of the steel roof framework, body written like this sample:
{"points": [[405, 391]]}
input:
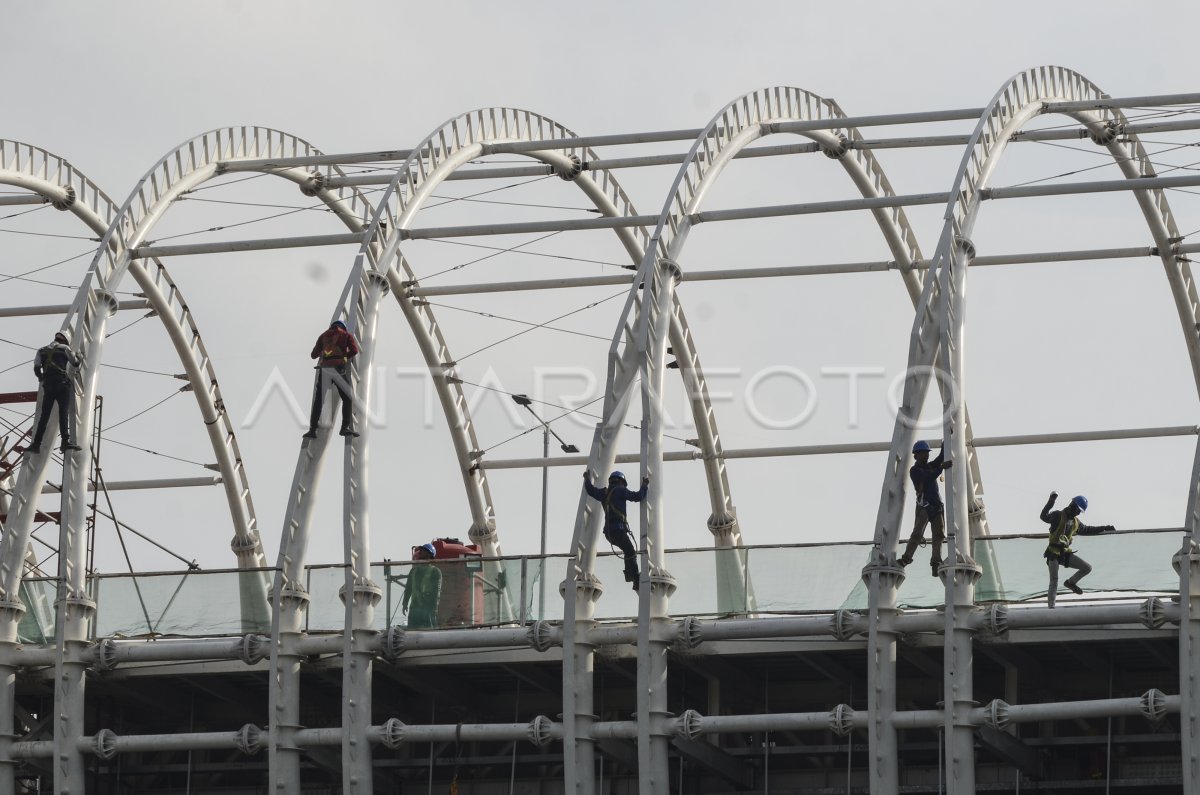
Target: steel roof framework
{"points": [[650, 320]]}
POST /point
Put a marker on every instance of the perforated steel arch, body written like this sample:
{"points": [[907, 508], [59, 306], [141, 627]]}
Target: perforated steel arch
{"points": [[937, 333], [454, 144], [127, 227], [68, 189], [739, 124]]}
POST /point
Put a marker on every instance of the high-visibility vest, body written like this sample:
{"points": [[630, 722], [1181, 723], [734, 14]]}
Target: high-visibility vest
{"points": [[1063, 532]]}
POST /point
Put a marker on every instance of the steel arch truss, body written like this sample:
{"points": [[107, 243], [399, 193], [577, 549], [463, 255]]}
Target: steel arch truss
{"points": [[124, 229], [937, 339]]}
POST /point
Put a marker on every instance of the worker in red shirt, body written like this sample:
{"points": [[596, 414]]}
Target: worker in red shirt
{"points": [[333, 352]]}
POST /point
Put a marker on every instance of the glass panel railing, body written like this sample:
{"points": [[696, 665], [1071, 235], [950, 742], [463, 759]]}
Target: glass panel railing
{"points": [[470, 592], [39, 622], [183, 603]]}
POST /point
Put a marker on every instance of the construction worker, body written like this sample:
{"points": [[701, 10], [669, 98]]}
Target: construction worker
{"points": [[616, 525], [1064, 525], [423, 590], [930, 510], [333, 352], [54, 365]]}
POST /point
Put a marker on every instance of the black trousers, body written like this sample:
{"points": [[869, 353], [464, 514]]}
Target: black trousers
{"points": [[624, 542], [63, 393], [338, 377]]}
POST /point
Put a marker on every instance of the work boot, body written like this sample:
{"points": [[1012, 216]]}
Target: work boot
{"points": [[348, 432], [34, 450], [904, 561], [935, 564], [635, 585], [631, 576], [312, 434], [70, 447], [1073, 587]]}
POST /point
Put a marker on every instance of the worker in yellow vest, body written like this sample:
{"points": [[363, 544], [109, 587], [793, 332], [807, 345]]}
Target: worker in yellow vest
{"points": [[1064, 526]]}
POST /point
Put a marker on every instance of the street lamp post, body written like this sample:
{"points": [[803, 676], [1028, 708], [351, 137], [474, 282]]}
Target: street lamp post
{"points": [[525, 402]]}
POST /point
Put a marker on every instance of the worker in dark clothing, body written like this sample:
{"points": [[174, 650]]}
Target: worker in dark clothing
{"points": [[616, 525], [930, 510], [423, 590], [53, 366], [333, 352], [1064, 525]]}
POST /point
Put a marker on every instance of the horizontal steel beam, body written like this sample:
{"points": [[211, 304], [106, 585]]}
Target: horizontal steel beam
{"points": [[810, 208], [608, 164], [1080, 255], [62, 309], [622, 139], [262, 244], [17, 201], [851, 447], [160, 483]]}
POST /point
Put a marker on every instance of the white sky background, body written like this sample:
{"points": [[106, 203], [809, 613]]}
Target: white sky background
{"points": [[114, 86]]}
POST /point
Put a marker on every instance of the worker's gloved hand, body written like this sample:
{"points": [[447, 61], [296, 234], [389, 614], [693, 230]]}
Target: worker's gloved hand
{"points": [[1108, 529], [645, 480], [404, 609], [1053, 496], [947, 464], [587, 475]]}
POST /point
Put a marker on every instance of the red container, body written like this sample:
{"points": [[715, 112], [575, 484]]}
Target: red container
{"points": [[461, 604]]}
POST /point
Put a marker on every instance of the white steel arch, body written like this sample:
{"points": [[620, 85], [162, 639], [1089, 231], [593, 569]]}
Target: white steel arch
{"points": [[937, 335], [184, 169], [739, 124], [454, 144]]}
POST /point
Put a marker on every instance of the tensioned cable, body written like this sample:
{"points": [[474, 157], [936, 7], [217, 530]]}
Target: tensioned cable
{"points": [[25, 212], [486, 192], [153, 452], [130, 325], [102, 364], [522, 322], [517, 204], [497, 253], [1110, 161], [501, 249], [48, 234], [148, 408], [592, 305], [246, 223], [567, 412], [7, 277]]}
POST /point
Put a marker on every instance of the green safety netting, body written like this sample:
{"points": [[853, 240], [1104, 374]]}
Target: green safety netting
{"points": [[750, 580]]}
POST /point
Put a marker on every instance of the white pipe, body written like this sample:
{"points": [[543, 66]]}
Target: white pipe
{"points": [[791, 270], [259, 244], [62, 309], [152, 483], [860, 447], [16, 201]]}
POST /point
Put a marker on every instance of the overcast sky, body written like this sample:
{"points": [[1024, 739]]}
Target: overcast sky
{"points": [[1073, 347]]}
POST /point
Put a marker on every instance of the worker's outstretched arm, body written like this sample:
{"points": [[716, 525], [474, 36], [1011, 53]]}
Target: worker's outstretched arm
{"points": [[1046, 510], [640, 494], [316, 351], [1095, 530], [593, 491]]}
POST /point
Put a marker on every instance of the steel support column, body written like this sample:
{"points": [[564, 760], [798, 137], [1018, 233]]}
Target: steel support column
{"points": [[74, 607], [359, 594], [1187, 562], [656, 584], [960, 571]]}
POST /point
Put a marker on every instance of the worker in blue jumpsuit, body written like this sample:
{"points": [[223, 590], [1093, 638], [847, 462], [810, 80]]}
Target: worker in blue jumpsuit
{"points": [[1064, 525], [614, 497], [930, 510]]}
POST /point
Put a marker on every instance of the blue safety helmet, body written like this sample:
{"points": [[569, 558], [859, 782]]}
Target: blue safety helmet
{"points": [[1080, 502], [617, 475], [428, 548], [921, 447], [339, 324]]}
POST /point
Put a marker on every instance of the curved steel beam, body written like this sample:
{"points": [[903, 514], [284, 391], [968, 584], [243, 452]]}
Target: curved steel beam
{"points": [[937, 334], [180, 171]]}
